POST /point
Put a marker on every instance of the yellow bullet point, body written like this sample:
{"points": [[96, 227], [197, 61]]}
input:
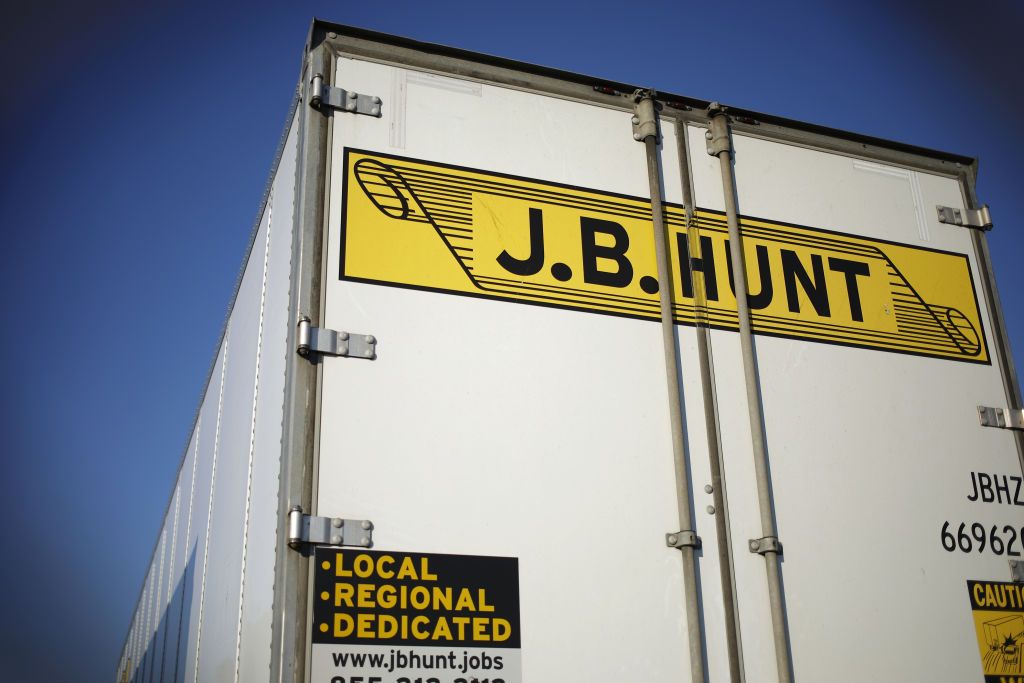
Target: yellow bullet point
{"points": [[326, 564], [323, 628], [325, 595]]}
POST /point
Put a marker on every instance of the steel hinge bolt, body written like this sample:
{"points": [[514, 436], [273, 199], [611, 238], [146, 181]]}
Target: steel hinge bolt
{"points": [[316, 87]]}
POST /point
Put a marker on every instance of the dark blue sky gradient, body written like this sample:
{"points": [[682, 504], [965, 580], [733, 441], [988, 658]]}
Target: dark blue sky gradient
{"points": [[136, 142]]}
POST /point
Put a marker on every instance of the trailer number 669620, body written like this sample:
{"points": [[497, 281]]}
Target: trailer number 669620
{"points": [[968, 537]]}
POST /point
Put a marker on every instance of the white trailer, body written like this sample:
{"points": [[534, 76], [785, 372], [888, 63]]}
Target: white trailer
{"points": [[479, 413]]}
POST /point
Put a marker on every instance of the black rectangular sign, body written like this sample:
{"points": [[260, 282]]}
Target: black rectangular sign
{"points": [[395, 598]]}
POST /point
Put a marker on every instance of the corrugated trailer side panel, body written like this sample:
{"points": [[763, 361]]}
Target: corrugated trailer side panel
{"points": [[220, 566], [180, 562], [262, 520], [205, 610], [202, 468], [157, 611]]}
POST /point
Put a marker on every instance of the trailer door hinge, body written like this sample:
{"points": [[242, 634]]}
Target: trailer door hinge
{"points": [[682, 539], [966, 218], [1004, 418], [1017, 571], [330, 343], [327, 530], [321, 95]]}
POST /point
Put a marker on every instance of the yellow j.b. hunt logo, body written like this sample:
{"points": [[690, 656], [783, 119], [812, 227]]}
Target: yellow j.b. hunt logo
{"points": [[443, 228]]}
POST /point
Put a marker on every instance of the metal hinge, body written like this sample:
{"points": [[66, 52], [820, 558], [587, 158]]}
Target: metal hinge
{"points": [[341, 99], [1016, 571], [327, 530], [330, 343], [768, 544], [966, 218], [1005, 418], [682, 539]]}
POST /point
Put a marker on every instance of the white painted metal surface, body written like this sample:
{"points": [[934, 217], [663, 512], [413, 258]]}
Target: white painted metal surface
{"points": [[219, 604], [871, 452], [203, 469], [497, 428], [490, 428], [261, 522], [205, 614]]}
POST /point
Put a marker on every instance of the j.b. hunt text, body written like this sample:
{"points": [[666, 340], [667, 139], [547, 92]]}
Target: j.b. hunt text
{"points": [[464, 231], [604, 246]]}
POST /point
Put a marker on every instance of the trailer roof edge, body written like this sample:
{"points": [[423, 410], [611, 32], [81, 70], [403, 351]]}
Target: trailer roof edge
{"points": [[320, 28]]}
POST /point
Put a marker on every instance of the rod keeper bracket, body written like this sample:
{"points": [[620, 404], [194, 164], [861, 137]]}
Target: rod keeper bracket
{"points": [[765, 545], [682, 539]]}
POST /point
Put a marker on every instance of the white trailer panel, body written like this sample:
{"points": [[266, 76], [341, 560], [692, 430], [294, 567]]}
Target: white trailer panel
{"points": [[202, 471], [262, 521], [871, 452], [452, 449]]}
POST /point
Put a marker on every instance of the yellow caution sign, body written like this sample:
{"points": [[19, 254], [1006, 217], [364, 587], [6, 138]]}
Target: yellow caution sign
{"points": [[456, 230], [998, 610]]}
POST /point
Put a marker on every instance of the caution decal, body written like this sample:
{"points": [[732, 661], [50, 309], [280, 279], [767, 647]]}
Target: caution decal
{"points": [[998, 611], [442, 228], [394, 617]]}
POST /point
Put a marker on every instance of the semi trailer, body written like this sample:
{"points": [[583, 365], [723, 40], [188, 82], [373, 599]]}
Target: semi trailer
{"points": [[531, 375]]}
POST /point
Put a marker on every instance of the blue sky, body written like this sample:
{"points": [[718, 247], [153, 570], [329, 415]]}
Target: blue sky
{"points": [[136, 142]]}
